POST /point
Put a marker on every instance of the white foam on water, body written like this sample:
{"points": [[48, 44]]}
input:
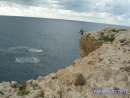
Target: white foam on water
{"points": [[19, 47], [26, 48], [27, 59], [34, 50]]}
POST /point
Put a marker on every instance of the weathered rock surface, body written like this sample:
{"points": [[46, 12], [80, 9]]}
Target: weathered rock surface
{"points": [[88, 44], [105, 64]]}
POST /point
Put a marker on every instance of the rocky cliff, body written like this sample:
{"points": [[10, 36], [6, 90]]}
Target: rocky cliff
{"points": [[105, 65], [88, 44]]}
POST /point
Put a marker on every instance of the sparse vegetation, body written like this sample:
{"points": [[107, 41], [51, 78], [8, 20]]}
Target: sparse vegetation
{"points": [[126, 43], [1, 93], [23, 85], [122, 41], [117, 30], [116, 88], [80, 80], [54, 78], [24, 92], [102, 34], [100, 59], [89, 34], [114, 30], [41, 94], [60, 93], [107, 38], [122, 30], [99, 39], [129, 61], [93, 37], [127, 68]]}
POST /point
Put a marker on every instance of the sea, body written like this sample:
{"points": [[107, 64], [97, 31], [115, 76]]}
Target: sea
{"points": [[32, 47]]}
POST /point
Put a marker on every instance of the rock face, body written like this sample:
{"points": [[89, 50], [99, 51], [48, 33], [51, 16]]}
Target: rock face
{"points": [[88, 44], [106, 67]]}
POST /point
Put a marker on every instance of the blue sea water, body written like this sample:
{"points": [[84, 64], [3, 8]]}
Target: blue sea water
{"points": [[30, 47]]}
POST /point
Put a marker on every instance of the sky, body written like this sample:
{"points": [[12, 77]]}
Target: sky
{"points": [[101, 11]]}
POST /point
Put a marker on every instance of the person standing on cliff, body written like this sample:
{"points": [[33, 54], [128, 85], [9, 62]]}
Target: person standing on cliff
{"points": [[81, 31]]}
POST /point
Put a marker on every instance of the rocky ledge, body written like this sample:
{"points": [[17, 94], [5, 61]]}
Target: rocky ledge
{"points": [[104, 65]]}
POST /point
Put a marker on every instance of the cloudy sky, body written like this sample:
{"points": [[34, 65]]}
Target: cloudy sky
{"points": [[102, 11]]}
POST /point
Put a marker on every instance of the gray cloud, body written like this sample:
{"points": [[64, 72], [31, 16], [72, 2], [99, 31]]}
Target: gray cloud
{"points": [[74, 5], [115, 7], [115, 10], [24, 2]]}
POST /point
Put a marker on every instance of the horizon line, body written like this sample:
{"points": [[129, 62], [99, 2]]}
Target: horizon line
{"points": [[63, 19]]}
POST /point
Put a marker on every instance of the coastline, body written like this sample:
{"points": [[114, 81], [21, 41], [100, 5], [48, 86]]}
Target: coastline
{"points": [[104, 64]]}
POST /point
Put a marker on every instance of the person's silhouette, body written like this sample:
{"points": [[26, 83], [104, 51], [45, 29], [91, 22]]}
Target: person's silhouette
{"points": [[81, 31]]}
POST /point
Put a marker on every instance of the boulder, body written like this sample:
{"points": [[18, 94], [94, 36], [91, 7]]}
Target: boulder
{"points": [[5, 87], [14, 84]]}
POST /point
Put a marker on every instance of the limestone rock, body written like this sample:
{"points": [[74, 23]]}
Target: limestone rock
{"points": [[105, 64], [5, 87], [14, 84], [87, 45], [15, 96], [34, 94]]}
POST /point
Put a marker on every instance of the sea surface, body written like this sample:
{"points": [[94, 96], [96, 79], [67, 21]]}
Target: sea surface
{"points": [[30, 47]]}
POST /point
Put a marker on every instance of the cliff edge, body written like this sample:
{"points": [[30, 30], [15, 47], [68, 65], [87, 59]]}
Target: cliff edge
{"points": [[105, 65], [88, 44]]}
